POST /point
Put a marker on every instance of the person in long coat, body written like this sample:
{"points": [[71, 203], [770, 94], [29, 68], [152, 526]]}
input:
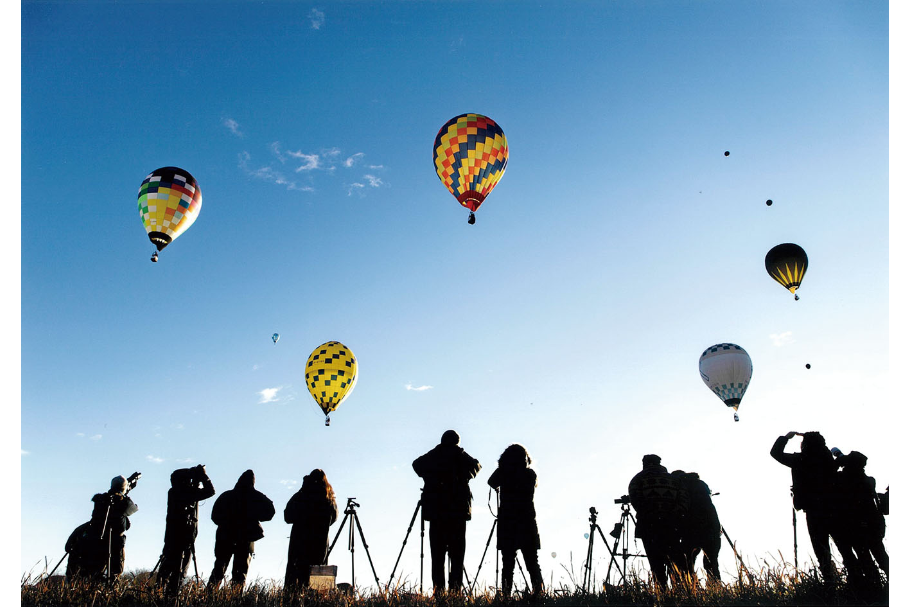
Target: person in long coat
{"points": [[446, 503], [699, 527], [516, 529], [311, 511], [238, 513], [659, 505]]}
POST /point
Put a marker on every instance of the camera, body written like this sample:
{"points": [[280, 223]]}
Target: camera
{"points": [[623, 500], [132, 480]]}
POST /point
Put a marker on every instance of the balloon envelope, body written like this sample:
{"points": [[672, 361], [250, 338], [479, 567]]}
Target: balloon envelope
{"points": [[470, 154], [787, 263], [275, 338], [169, 203], [726, 369], [331, 372]]}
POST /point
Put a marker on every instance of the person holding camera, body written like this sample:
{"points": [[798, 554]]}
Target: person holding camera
{"points": [[109, 522], [238, 513], [515, 482], [446, 504], [311, 511], [182, 523]]}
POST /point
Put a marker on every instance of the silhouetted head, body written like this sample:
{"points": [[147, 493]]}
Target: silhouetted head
{"points": [[515, 456], [317, 482], [181, 477], [118, 484], [450, 437], [650, 460], [246, 481], [854, 461], [813, 442]]}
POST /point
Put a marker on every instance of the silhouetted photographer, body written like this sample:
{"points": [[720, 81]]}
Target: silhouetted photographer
{"points": [[238, 513], [446, 504], [699, 527], [100, 544], [515, 481], [655, 495], [311, 511], [188, 487]]}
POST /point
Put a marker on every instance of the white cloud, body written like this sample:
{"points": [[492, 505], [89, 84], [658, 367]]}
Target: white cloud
{"points": [[233, 126], [267, 173], [355, 187], [80, 434], [269, 395], [288, 483], [179, 426], [24, 452], [186, 460], [310, 161], [782, 339], [349, 162], [255, 367], [96, 437], [375, 182], [413, 388], [317, 19], [276, 149], [153, 459]]}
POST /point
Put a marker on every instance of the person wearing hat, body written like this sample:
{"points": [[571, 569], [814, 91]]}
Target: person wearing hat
{"points": [[109, 522], [238, 513], [658, 504], [446, 504]]}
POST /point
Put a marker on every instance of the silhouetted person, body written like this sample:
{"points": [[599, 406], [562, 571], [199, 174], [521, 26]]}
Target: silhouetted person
{"points": [[109, 522], [446, 504], [655, 495], [238, 512], [517, 522], [812, 471], [859, 523], [188, 487], [699, 527], [311, 511]]}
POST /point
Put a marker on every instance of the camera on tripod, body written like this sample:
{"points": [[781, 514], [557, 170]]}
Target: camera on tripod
{"points": [[623, 500]]}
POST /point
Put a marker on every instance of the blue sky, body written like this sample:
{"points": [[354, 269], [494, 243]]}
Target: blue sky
{"points": [[619, 244]]}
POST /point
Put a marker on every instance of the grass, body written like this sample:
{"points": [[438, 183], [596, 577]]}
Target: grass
{"points": [[769, 585]]}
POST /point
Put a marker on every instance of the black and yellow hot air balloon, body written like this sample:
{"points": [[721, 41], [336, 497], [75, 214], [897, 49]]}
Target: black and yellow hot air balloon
{"points": [[331, 372], [470, 154], [787, 263], [169, 203]]}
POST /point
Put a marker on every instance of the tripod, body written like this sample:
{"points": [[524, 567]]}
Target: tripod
{"points": [[619, 530], [351, 513], [422, 533]]}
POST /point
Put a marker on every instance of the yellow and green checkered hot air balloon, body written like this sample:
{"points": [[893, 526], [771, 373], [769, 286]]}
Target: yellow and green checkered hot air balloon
{"points": [[787, 263], [169, 203], [470, 154], [331, 372]]}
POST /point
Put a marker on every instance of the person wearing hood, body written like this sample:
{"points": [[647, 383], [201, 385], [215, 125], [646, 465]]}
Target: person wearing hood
{"points": [[446, 505], [699, 528], [238, 513], [311, 511], [189, 486], [859, 523]]}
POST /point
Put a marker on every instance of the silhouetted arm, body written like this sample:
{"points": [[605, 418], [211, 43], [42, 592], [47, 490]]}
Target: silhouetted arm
{"points": [[777, 451], [495, 479], [206, 491]]}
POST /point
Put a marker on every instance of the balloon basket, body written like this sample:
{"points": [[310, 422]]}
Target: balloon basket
{"points": [[328, 422], [155, 257], [471, 219]]}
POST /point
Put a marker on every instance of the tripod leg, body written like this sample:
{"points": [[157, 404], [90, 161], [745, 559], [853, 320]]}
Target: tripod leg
{"points": [[485, 548], [367, 550], [195, 566], [340, 528], [588, 563], [410, 526], [58, 564], [741, 563], [612, 555]]}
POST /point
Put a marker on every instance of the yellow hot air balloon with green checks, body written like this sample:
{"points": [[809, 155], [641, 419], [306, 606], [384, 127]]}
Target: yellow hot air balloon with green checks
{"points": [[331, 373]]}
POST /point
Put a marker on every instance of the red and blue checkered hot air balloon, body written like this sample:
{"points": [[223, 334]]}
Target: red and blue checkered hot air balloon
{"points": [[470, 155]]}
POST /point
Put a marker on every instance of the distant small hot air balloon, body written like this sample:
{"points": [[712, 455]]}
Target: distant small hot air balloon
{"points": [[470, 154], [787, 264], [769, 202], [727, 370], [169, 203], [331, 373], [726, 153], [275, 338], [808, 366]]}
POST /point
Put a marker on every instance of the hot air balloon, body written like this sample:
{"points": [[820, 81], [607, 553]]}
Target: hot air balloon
{"points": [[331, 372], [726, 369], [169, 203], [787, 263], [470, 154], [275, 338]]}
